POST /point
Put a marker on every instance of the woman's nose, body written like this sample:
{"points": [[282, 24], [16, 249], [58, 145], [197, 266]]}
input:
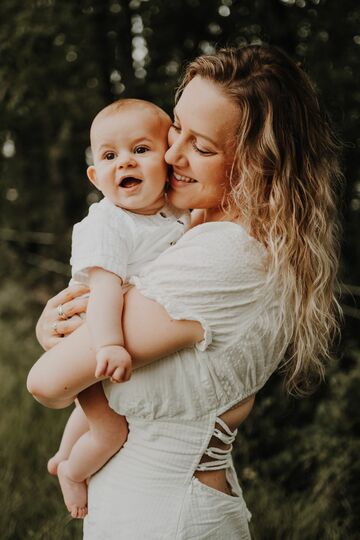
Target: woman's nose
{"points": [[175, 154]]}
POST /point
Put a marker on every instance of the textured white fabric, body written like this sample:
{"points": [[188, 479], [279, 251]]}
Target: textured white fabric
{"points": [[122, 242], [147, 490], [214, 274]]}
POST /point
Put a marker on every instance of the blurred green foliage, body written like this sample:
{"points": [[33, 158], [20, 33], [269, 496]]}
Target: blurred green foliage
{"points": [[60, 62]]}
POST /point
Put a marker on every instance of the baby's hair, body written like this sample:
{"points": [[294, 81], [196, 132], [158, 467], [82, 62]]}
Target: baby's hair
{"points": [[135, 104], [284, 184]]}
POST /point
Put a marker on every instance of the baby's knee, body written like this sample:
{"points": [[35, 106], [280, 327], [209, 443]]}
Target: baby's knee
{"points": [[45, 393]]}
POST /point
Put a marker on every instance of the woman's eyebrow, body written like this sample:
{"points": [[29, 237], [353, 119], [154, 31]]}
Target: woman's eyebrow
{"points": [[197, 133], [203, 137]]}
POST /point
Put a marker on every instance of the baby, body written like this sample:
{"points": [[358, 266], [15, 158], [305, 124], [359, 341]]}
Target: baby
{"points": [[127, 229]]}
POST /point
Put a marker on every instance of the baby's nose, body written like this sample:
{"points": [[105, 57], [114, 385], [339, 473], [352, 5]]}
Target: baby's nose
{"points": [[126, 159]]}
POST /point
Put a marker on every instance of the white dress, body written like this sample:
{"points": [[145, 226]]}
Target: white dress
{"points": [[214, 274]]}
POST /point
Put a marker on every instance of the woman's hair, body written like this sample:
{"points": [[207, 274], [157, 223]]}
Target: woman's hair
{"points": [[284, 183]]}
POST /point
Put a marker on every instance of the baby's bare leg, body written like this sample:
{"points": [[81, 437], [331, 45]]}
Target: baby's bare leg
{"points": [[107, 433], [76, 426]]}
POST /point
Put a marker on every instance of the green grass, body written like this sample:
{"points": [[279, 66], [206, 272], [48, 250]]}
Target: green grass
{"points": [[30, 499]]}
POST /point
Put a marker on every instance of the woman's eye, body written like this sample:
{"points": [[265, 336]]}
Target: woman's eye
{"points": [[175, 126], [110, 155], [141, 150], [200, 151]]}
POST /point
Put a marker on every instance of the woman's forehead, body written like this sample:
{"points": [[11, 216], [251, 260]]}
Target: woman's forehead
{"points": [[204, 108]]}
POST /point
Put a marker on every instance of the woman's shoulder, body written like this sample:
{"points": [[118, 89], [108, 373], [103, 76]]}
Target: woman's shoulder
{"points": [[223, 244], [221, 232], [210, 260]]}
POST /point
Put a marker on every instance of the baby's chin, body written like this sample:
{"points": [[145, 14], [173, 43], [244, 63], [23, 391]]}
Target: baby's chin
{"points": [[146, 209]]}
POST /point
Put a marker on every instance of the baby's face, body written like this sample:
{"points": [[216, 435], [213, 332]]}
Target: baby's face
{"points": [[128, 149]]}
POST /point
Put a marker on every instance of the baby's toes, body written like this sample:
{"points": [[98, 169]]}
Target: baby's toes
{"points": [[74, 510], [83, 512]]}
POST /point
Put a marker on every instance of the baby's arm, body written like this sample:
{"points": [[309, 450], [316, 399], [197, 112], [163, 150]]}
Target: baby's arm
{"points": [[68, 368], [104, 318]]}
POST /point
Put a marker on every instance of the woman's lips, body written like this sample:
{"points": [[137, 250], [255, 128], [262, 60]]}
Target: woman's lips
{"points": [[181, 181]]}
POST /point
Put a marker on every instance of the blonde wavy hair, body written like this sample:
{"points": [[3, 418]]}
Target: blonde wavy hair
{"points": [[284, 183]]}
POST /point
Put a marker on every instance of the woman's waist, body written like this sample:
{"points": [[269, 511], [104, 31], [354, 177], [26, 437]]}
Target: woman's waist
{"points": [[163, 449]]}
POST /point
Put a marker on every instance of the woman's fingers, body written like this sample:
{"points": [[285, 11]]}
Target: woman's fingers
{"points": [[47, 338], [51, 342], [68, 294], [65, 327], [53, 323], [75, 306]]}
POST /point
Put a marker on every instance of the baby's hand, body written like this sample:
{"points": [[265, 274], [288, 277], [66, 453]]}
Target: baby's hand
{"points": [[115, 362]]}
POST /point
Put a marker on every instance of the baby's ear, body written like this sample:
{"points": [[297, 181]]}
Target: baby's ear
{"points": [[91, 174]]}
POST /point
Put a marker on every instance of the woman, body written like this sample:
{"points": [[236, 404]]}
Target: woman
{"points": [[251, 284]]}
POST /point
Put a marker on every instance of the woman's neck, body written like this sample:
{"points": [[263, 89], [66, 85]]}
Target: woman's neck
{"points": [[208, 215]]}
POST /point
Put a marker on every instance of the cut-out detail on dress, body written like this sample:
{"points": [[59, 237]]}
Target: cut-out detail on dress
{"points": [[221, 457]]}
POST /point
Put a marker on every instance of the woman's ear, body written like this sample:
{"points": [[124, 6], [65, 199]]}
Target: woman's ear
{"points": [[91, 174]]}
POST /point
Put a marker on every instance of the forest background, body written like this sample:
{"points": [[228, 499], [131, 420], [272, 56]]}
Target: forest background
{"points": [[60, 62]]}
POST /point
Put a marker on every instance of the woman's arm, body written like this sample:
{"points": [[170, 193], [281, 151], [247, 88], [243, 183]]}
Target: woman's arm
{"points": [[149, 332]]}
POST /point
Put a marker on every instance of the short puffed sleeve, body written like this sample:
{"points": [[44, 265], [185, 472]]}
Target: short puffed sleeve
{"points": [[104, 238], [216, 275]]}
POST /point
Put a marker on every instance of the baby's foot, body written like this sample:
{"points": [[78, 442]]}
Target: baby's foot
{"points": [[74, 493], [53, 463]]}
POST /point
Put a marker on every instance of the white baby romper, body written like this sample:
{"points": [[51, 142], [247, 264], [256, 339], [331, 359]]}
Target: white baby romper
{"points": [[121, 241], [216, 275]]}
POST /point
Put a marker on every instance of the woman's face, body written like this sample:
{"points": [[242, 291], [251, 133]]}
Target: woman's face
{"points": [[202, 145]]}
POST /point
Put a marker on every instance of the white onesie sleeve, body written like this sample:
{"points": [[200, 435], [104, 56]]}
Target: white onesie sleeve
{"points": [[104, 238]]}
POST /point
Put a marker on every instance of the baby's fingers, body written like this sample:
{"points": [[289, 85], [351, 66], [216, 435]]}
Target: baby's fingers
{"points": [[122, 374], [127, 374], [118, 375], [101, 367]]}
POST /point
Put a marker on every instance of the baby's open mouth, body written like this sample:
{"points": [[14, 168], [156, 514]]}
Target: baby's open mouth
{"points": [[129, 182]]}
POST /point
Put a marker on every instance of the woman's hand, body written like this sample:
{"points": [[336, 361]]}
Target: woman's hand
{"points": [[62, 315]]}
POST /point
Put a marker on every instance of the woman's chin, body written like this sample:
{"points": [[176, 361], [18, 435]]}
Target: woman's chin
{"points": [[179, 200]]}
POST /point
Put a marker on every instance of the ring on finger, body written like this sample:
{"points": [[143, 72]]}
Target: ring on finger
{"points": [[60, 312], [54, 328]]}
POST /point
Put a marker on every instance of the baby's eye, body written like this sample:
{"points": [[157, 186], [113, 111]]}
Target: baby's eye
{"points": [[141, 149], [109, 155], [175, 126]]}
